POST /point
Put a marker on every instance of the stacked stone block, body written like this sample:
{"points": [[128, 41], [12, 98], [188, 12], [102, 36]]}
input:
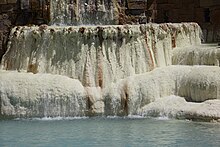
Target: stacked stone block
{"points": [[205, 12], [20, 12]]}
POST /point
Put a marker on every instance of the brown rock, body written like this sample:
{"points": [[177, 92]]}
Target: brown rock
{"points": [[3, 2], [12, 1]]}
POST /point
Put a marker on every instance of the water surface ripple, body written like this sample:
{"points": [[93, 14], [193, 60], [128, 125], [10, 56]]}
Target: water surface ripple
{"points": [[108, 132]]}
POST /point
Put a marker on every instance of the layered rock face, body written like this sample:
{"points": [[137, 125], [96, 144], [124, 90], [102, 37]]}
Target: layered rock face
{"points": [[178, 107], [194, 83], [96, 56], [109, 70], [5, 25], [156, 93], [119, 70], [78, 12], [28, 95], [208, 54]]}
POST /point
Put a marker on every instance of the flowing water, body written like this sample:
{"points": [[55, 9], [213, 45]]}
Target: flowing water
{"points": [[108, 132], [92, 70]]}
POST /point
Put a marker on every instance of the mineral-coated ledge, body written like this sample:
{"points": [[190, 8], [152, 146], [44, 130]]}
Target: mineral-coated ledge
{"points": [[95, 55], [183, 92], [109, 70]]}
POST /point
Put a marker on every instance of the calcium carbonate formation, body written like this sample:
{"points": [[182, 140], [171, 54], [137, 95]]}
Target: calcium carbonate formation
{"points": [[95, 55], [117, 70], [148, 94]]}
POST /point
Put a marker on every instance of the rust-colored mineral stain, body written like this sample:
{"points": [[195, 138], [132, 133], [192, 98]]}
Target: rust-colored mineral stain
{"points": [[154, 49], [150, 53], [8, 65], [86, 78], [174, 35], [173, 41], [33, 68], [164, 27], [100, 68], [100, 76]]}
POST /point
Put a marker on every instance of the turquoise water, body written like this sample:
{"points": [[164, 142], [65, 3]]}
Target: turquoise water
{"points": [[108, 132]]}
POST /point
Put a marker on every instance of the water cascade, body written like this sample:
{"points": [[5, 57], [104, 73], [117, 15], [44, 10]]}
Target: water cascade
{"points": [[78, 12], [95, 55], [106, 69], [197, 55], [44, 95], [133, 94], [28, 95]]}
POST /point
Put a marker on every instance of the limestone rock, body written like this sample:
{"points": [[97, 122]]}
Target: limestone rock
{"points": [[28, 95], [46, 95], [196, 84], [208, 54], [177, 107], [96, 56]]}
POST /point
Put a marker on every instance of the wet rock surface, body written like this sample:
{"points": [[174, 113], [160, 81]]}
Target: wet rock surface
{"points": [[95, 55], [117, 70], [161, 92]]}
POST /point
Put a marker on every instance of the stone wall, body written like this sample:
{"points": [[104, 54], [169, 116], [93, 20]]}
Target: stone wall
{"points": [[20, 12], [5, 25], [28, 12], [7, 8], [204, 12]]}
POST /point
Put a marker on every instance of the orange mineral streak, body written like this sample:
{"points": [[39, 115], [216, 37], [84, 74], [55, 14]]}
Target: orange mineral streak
{"points": [[86, 73], [100, 68], [33, 68], [150, 54]]}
